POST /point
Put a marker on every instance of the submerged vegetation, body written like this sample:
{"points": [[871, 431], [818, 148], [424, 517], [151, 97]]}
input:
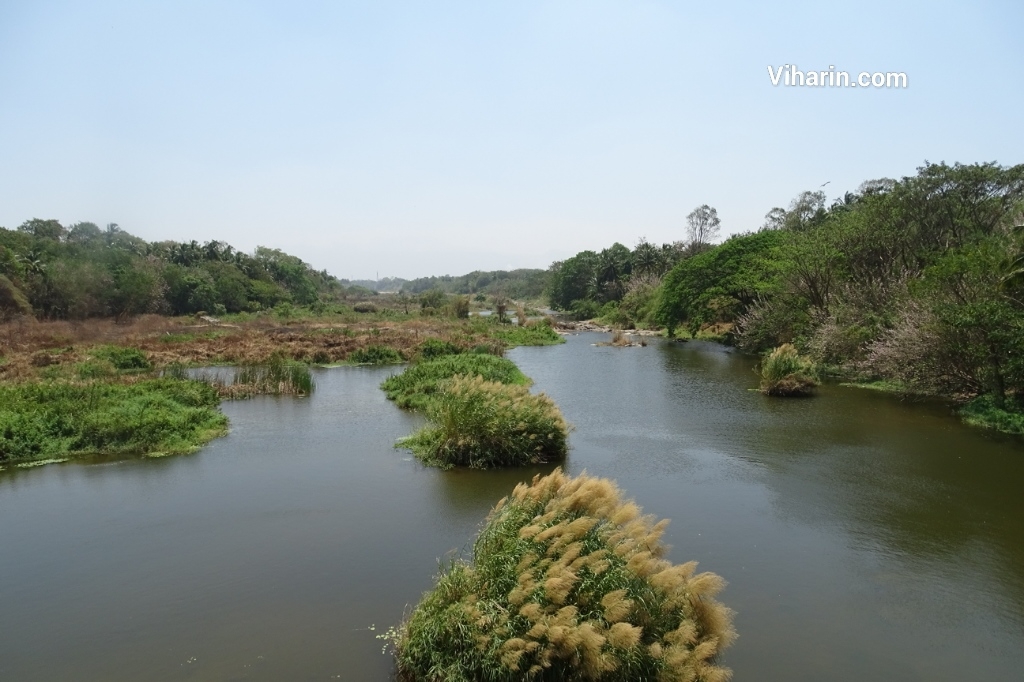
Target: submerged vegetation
{"points": [[784, 372], [51, 420], [486, 424], [567, 582], [418, 384]]}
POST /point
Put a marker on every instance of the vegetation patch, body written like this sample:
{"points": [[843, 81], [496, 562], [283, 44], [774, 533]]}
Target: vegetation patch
{"points": [[376, 355], [418, 384], [123, 358], [48, 420], [436, 348], [485, 424], [276, 377], [567, 582], [784, 372], [984, 411], [534, 334]]}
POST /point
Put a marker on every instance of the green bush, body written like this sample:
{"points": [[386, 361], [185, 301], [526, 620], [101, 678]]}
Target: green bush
{"points": [[123, 358], [376, 355], [418, 384], [55, 420], [534, 334], [485, 424], [435, 348], [784, 372], [983, 411], [566, 582]]}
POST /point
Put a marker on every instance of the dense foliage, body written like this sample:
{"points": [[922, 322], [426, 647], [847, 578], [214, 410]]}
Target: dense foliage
{"points": [[487, 424], [523, 284], [419, 383], [83, 271], [53, 420], [567, 583]]}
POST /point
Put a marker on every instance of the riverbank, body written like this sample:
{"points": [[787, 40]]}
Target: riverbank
{"points": [[72, 389]]}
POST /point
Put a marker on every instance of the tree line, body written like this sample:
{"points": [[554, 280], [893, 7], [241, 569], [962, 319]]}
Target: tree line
{"points": [[57, 272], [918, 281]]}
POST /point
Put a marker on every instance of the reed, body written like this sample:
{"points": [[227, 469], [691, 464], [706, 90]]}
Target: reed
{"points": [[567, 582], [485, 424], [277, 376]]}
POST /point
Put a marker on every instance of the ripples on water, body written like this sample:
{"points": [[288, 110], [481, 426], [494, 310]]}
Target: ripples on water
{"points": [[863, 538]]}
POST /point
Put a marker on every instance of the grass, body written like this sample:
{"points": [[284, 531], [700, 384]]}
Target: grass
{"points": [[376, 355], [566, 582], [55, 420], [784, 372], [418, 384], [536, 334], [276, 377], [123, 358], [982, 411], [485, 424]]}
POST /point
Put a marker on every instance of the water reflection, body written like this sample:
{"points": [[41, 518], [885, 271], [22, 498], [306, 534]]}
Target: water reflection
{"points": [[863, 537]]}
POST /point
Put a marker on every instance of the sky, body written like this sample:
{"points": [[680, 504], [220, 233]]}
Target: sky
{"points": [[407, 139]]}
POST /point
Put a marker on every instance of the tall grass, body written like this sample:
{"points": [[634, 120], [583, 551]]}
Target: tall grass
{"points": [[983, 411], [376, 355], [49, 420], [418, 384], [277, 376], [784, 372], [567, 582], [485, 424]]}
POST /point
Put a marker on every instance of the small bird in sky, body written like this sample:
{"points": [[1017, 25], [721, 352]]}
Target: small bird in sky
{"points": [[825, 183]]}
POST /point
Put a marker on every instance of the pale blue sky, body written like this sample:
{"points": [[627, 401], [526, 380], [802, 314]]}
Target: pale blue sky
{"points": [[417, 138]]}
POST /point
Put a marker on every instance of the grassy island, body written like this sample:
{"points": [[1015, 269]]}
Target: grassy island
{"points": [[567, 582], [784, 372], [485, 424], [418, 384], [56, 420]]}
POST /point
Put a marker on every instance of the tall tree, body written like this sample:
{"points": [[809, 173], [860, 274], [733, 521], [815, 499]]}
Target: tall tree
{"points": [[703, 225]]}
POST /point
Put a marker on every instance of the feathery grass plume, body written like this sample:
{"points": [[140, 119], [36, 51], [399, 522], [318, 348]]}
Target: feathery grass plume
{"points": [[784, 372], [419, 384], [485, 424], [584, 612]]}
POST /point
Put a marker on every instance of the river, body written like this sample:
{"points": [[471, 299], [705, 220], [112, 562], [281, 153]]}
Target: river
{"points": [[862, 537]]}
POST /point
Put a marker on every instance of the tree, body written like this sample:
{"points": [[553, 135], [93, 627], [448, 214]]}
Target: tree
{"points": [[702, 225]]}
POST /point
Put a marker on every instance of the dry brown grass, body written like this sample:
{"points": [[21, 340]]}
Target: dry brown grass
{"points": [[26, 345]]}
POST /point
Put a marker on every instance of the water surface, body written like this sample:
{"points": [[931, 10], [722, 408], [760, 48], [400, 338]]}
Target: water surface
{"points": [[862, 537]]}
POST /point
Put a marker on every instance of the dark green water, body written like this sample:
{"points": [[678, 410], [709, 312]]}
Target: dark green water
{"points": [[863, 538]]}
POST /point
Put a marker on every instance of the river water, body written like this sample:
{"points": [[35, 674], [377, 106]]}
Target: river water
{"points": [[862, 537]]}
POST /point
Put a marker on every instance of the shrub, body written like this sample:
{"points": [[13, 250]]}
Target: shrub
{"points": [[50, 420], [435, 348], [364, 308], [123, 358], [485, 424], [417, 385], [376, 355], [983, 411], [567, 582], [786, 373]]}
